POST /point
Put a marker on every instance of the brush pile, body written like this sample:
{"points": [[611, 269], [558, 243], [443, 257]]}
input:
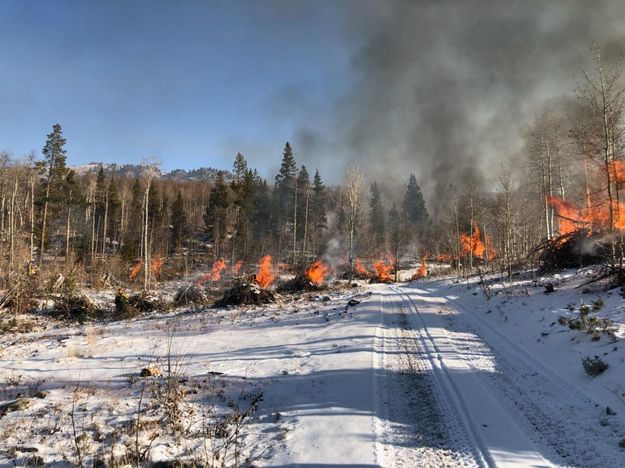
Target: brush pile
{"points": [[299, 284], [18, 300], [75, 307], [127, 307], [190, 295], [244, 294], [145, 302], [573, 250]]}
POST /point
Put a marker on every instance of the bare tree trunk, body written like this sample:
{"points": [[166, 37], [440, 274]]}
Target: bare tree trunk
{"points": [[305, 222], [106, 215], [295, 227], [32, 217], [93, 232], [146, 248], [44, 219], [12, 223], [67, 225]]}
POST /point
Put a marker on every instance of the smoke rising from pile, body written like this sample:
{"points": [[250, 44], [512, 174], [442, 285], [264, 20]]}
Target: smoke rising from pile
{"points": [[443, 87]]}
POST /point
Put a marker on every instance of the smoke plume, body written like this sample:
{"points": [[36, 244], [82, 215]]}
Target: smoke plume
{"points": [[446, 86]]}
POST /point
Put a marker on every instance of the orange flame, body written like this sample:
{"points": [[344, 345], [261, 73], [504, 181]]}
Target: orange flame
{"points": [[236, 267], [156, 263], [135, 271], [422, 272], [265, 277], [471, 243], [361, 270], [317, 272], [443, 258], [383, 270], [572, 218], [215, 273]]}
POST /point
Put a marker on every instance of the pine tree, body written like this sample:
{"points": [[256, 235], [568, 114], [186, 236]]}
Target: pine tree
{"points": [[413, 206], [178, 222], [54, 165], [217, 213], [318, 210], [303, 205], [377, 225], [285, 184], [240, 167]]}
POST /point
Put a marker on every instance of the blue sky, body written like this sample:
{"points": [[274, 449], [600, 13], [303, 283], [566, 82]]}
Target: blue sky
{"points": [[190, 82]]}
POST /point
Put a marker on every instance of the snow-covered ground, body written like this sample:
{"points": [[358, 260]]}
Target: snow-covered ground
{"points": [[429, 373]]}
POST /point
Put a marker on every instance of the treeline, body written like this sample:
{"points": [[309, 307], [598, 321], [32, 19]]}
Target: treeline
{"points": [[570, 176], [106, 223]]}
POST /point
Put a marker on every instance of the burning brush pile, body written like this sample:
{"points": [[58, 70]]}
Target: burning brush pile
{"points": [[575, 249], [252, 292], [312, 279], [383, 272], [587, 235]]}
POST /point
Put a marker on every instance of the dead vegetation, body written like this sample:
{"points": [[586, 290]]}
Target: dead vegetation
{"points": [[301, 283], [191, 294], [75, 307], [575, 249], [245, 294], [590, 324]]}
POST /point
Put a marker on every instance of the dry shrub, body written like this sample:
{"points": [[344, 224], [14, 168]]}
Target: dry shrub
{"points": [[594, 366], [190, 295], [245, 293]]}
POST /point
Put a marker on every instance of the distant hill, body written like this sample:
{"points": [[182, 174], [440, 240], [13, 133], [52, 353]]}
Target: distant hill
{"points": [[136, 170]]}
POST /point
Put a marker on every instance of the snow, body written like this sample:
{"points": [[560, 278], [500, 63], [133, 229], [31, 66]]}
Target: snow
{"points": [[429, 373]]}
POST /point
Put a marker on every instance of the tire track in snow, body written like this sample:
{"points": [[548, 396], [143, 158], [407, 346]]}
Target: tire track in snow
{"points": [[559, 417], [415, 426]]}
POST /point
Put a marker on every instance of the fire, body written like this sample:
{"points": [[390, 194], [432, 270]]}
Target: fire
{"points": [[265, 277], [317, 272], [618, 167], [156, 263], [236, 267], [135, 271], [443, 258], [573, 218], [383, 270], [360, 269], [471, 243], [422, 272], [215, 273]]}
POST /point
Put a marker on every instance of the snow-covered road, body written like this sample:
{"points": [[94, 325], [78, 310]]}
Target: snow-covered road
{"points": [[423, 374], [446, 389]]}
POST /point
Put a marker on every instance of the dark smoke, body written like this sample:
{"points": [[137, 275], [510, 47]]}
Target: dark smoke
{"points": [[444, 86]]}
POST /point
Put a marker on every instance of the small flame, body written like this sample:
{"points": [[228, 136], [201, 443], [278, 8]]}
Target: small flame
{"points": [[360, 269], [471, 243], [265, 277], [135, 271], [236, 267], [443, 258], [317, 272], [383, 270], [423, 269], [215, 273], [156, 263]]}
